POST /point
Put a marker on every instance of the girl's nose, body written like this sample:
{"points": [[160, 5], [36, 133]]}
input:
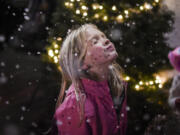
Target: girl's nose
{"points": [[107, 41]]}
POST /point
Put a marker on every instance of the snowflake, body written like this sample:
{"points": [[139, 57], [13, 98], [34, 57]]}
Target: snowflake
{"points": [[26, 9], [88, 120], [22, 118], [17, 66], [2, 64], [59, 122], [69, 118], [27, 18], [23, 108]]}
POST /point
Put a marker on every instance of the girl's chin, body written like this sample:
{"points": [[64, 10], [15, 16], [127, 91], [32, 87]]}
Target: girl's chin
{"points": [[111, 57]]}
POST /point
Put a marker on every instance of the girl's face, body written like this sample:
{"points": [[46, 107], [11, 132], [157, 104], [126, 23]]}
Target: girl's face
{"points": [[100, 50]]}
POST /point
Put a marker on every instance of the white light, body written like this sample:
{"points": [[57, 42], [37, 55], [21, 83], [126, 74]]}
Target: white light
{"points": [[141, 83], [94, 7], [50, 53], [120, 17], [85, 14], [96, 15], [114, 8], [55, 46], [147, 6], [156, 1], [157, 77], [84, 7], [55, 59], [100, 7], [156, 81], [127, 78], [56, 51], [126, 12], [77, 11], [59, 38], [160, 86], [71, 4], [151, 82], [105, 18], [141, 7], [137, 87], [66, 3]]}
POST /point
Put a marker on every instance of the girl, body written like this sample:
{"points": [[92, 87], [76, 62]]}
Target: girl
{"points": [[95, 102], [174, 93]]}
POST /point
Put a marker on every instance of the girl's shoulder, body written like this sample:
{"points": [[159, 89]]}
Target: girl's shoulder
{"points": [[66, 114], [70, 107]]}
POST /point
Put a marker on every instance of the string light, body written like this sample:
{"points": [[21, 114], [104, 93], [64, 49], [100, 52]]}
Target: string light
{"points": [[50, 53], [96, 15], [56, 51], [101, 7], [59, 38], [126, 12], [147, 6], [151, 82], [105, 18], [55, 46], [84, 7], [141, 83], [67, 4], [55, 59], [119, 19], [160, 86], [85, 14], [77, 11], [141, 8], [114, 8], [95, 6], [137, 87], [71, 4], [127, 78]]}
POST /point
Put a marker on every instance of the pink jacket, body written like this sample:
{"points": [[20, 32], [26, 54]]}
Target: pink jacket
{"points": [[100, 114]]}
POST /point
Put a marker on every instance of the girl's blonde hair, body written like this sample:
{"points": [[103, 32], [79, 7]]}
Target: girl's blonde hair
{"points": [[72, 54]]}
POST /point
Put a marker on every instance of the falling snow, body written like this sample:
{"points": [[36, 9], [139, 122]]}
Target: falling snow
{"points": [[115, 34], [3, 79], [59, 122], [23, 108], [2, 38], [2, 64], [34, 124], [26, 17], [17, 66]]}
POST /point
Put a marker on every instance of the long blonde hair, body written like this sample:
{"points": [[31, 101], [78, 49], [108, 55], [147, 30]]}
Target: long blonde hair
{"points": [[72, 54]]}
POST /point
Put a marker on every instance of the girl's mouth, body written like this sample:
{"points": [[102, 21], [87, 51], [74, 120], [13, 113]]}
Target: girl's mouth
{"points": [[110, 47]]}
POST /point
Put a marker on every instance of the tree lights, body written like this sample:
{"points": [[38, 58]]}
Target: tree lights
{"points": [[100, 12]]}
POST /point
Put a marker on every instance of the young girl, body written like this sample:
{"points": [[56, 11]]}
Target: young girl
{"points": [[95, 102], [174, 93]]}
